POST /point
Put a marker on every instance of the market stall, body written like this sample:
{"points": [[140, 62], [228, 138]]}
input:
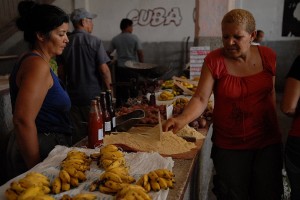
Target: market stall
{"points": [[143, 152]]}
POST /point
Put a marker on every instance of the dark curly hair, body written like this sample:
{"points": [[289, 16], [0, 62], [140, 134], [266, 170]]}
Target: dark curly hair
{"points": [[39, 18]]}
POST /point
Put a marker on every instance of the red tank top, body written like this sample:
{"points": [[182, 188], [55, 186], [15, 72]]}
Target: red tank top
{"points": [[244, 112]]}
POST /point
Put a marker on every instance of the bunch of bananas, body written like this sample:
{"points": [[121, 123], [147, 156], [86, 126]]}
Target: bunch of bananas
{"points": [[156, 180], [168, 84], [82, 196], [72, 171], [33, 186], [165, 96], [132, 192], [110, 157], [181, 101], [116, 175]]}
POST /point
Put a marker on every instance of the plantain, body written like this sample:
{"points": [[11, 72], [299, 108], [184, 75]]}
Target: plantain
{"points": [[120, 170], [147, 187], [43, 197], [110, 176], [84, 196], [108, 148], [117, 163], [164, 173], [64, 176], [30, 193], [152, 175], [94, 185], [112, 155], [106, 190], [10, 194], [162, 183], [74, 182], [56, 185], [154, 185], [114, 185], [65, 186], [71, 171], [81, 176], [17, 187]]}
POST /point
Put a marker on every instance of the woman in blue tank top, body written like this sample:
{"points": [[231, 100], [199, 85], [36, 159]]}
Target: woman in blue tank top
{"points": [[39, 103]]}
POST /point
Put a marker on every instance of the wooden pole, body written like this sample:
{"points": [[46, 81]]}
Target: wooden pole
{"points": [[197, 23]]}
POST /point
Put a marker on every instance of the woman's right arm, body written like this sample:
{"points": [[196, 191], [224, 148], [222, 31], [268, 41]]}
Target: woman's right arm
{"points": [[34, 80], [196, 105]]}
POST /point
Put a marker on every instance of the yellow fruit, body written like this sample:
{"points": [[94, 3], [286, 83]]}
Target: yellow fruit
{"points": [[65, 186], [11, 194], [74, 181], [84, 196], [64, 176], [162, 183], [154, 185], [110, 176], [30, 192], [56, 185], [106, 190], [152, 175]]}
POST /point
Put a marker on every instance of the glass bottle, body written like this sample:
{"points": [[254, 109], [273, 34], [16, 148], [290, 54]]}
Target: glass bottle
{"points": [[105, 114], [95, 126], [152, 100], [111, 110]]}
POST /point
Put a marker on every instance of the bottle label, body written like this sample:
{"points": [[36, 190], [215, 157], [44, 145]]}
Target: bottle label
{"points": [[100, 134], [107, 126], [113, 122]]}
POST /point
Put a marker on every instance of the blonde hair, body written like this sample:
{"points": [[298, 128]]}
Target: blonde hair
{"points": [[240, 17]]}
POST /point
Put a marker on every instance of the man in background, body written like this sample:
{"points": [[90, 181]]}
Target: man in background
{"points": [[128, 48], [259, 37], [84, 69]]}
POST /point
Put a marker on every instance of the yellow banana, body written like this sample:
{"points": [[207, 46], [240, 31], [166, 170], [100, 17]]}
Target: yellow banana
{"points": [[121, 193], [30, 193], [76, 166], [17, 187], [84, 196], [64, 176], [140, 182], [43, 197], [74, 160], [56, 185], [106, 190], [46, 189], [65, 186], [71, 171], [164, 173], [114, 185], [127, 178], [66, 197], [36, 174], [120, 170], [94, 185], [77, 154], [117, 163], [110, 176], [145, 179], [10, 194], [142, 194], [106, 162], [74, 181], [169, 183], [109, 148], [154, 185], [147, 187], [132, 195], [81, 176], [152, 175], [112, 155], [162, 183]]}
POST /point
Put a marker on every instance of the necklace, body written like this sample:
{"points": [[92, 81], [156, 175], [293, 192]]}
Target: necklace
{"points": [[42, 55]]}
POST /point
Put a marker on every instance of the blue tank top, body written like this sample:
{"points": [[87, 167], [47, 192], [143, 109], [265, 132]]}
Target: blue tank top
{"points": [[53, 116]]}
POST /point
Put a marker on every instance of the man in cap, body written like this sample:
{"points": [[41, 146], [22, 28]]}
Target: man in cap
{"points": [[83, 69]]}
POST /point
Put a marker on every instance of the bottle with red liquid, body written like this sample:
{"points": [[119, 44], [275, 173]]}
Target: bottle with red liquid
{"points": [[111, 110], [95, 126], [105, 114]]}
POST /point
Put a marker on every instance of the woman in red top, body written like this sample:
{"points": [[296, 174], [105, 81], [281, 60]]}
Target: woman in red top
{"points": [[290, 106], [246, 139]]}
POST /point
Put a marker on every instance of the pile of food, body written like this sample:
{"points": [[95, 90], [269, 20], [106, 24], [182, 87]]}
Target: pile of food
{"points": [[169, 143]]}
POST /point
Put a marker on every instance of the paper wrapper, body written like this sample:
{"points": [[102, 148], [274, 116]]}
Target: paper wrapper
{"points": [[139, 163]]}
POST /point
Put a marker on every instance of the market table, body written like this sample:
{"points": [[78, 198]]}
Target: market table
{"points": [[192, 175]]}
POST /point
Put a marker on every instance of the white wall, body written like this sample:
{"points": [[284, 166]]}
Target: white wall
{"points": [[268, 15]]}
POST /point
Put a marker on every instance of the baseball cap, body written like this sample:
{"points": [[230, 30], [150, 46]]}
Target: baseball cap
{"points": [[81, 13]]}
